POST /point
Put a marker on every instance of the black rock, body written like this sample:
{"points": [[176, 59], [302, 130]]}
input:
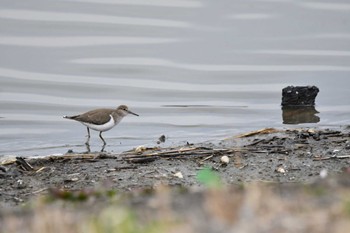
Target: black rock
{"points": [[299, 96]]}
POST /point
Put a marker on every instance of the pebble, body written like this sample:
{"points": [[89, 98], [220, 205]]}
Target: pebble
{"points": [[225, 159], [281, 169], [179, 175]]}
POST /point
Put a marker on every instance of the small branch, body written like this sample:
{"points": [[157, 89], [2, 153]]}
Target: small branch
{"points": [[332, 157], [205, 159], [36, 192], [24, 165]]}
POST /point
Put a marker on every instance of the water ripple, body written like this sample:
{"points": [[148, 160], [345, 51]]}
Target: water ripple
{"points": [[159, 3], [304, 52], [51, 16], [326, 6], [135, 83], [207, 67], [250, 16], [79, 41], [17, 97], [323, 36]]}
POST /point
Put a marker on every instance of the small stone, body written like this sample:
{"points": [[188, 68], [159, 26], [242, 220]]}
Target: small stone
{"points": [[3, 169], [179, 175], [20, 184], [225, 159], [161, 139], [280, 169]]}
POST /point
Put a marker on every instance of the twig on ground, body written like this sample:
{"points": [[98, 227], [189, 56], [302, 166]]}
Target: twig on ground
{"points": [[24, 165], [205, 159], [332, 157], [36, 192]]}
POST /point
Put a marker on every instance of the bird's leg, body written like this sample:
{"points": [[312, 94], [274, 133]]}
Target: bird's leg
{"points": [[104, 142], [87, 148], [103, 148], [88, 136]]}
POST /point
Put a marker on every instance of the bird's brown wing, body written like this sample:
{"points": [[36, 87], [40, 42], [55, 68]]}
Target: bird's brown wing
{"points": [[97, 116]]}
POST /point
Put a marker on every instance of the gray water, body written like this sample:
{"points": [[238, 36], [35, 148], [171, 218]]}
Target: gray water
{"points": [[194, 70]]}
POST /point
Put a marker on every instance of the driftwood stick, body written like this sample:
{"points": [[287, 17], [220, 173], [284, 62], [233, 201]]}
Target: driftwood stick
{"points": [[332, 157], [197, 152], [256, 142], [24, 165], [206, 158], [36, 192]]}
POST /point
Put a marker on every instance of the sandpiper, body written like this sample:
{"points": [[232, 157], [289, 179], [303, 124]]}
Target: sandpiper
{"points": [[102, 119]]}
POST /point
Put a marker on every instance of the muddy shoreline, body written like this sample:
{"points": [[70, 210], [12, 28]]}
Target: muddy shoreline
{"points": [[270, 155], [264, 181]]}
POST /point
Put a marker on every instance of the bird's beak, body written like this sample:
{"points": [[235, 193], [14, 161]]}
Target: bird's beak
{"points": [[132, 113]]}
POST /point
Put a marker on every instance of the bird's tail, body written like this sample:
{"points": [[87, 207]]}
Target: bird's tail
{"points": [[70, 117]]}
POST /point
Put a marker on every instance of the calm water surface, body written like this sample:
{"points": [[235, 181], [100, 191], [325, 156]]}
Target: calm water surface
{"points": [[194, 70]]}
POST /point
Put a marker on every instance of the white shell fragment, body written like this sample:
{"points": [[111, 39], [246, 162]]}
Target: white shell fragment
{"points": [[179, 175], [225, 159], [335, 151], [311, 131], [280, 169], [140, 149]]}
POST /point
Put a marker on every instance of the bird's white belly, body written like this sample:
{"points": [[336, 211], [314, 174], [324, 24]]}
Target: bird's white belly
{"points": [[106, 126]]}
